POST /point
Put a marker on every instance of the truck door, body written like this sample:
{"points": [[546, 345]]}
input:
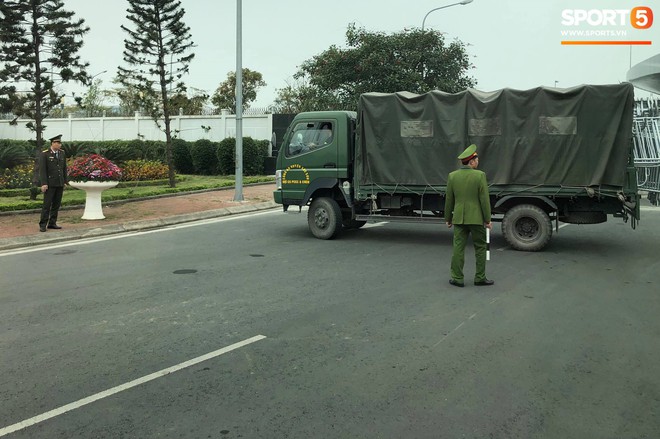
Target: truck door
{"points": [[310, 158]]}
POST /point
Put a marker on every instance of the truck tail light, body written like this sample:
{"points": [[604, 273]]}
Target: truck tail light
{"points": [[278, 179]]}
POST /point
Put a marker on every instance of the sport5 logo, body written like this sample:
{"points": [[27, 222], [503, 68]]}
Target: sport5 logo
{"points": [[640, 17]]}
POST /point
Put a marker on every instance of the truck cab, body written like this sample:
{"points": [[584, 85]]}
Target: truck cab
{"points": [[315, 156]]}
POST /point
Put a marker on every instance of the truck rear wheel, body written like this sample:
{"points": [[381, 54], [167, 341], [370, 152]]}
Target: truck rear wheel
{"points": [[527, 228], [324, 218]]}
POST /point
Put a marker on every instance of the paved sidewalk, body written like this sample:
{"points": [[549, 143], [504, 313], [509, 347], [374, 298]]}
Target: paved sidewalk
{"points": [[19, 230]]}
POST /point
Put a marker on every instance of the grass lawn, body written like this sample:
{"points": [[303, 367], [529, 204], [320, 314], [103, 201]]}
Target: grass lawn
{"points": [[20, 199]]}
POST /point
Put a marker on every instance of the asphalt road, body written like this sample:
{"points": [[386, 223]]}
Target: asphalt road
{"points": [[364, 337]]}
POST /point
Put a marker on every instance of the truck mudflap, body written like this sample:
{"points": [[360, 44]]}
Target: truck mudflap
{"points": [[630, 209]]}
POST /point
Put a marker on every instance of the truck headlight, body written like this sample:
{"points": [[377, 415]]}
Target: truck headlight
{"points": [[278, 179]]}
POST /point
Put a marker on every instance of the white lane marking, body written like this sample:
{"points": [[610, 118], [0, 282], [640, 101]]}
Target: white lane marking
{"points": [[122, 235], [450, 333], [90, 399], [459, 326]]}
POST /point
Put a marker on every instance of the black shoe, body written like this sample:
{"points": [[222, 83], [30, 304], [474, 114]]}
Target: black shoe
{"points": [[54, 226], [485, 283], [42, 228], [456, 283]]}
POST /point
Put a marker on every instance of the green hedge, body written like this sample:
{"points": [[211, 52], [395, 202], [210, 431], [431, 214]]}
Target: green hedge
{"points": [[254, 152], [225, 152], [25, 190], [204, 158], [181, 157]]}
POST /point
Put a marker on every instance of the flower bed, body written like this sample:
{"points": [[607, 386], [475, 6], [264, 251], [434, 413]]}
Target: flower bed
{"points": [[16, 178]]}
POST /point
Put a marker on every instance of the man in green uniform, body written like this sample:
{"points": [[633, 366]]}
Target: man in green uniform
{"points": [[52, 178], [467, 208]]}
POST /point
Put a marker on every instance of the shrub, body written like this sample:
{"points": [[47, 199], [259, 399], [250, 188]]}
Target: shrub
{"points": [[154, 150], [137, 170], [181, 156], [148, 150], [13, 153], [204, 159], [253, 156], [225, 152], [17, 177], [77, 149], [253, 159], [120, 151]]}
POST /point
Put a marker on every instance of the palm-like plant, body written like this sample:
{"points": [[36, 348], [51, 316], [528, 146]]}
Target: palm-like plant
{"points": [[12, 155]]}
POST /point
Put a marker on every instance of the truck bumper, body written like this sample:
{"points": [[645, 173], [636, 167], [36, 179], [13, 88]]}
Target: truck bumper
{"points": [[277, 196]]}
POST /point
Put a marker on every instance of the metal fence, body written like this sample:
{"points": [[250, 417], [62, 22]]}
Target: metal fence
{"points": [[647, 141], [647, 107], [647, 155]]}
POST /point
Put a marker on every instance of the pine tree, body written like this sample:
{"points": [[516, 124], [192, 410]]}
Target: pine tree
{"points": [[158, 52], [39, 42]]}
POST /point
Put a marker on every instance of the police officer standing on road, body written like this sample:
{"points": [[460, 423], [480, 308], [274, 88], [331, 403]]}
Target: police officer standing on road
{"points": [[467, 208], [52, 178]]}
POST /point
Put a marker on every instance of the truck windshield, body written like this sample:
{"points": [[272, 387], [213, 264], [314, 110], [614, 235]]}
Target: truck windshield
{"points": [[308, 136]]}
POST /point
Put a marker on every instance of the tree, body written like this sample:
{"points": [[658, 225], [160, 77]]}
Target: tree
{"points": [[191, 102], [131, 99], [158, 35], [301, 96], [92, 101], [39, 42], [225, 96], [413, 60]]}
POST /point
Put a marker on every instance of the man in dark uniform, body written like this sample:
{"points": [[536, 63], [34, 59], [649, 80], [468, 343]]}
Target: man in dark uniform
{"points": [[467, 208], [52, 178]]}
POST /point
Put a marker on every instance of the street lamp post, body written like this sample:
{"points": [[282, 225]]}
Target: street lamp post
{"points": [[464, 2], [238, 185], [93, 104], [91, 80]]}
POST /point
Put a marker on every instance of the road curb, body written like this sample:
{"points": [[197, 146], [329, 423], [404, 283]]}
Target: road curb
{"points": [[132, 226]]}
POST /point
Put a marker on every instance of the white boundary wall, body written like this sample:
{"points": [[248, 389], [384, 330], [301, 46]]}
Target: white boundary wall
{"points": [[259, 127]]}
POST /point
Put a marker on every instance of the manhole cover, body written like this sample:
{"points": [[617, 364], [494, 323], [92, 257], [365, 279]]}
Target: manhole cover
{"points": [[185, 271], [257, 256]]}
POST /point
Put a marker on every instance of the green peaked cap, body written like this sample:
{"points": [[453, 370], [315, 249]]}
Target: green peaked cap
{"points": [[469, 151]]}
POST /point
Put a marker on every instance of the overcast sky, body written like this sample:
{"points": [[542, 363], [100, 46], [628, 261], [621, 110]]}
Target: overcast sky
{"points": [[513, 43]]}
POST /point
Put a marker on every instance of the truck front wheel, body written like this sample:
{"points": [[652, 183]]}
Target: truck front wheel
{"points": [[324, 218], [527, 228]]}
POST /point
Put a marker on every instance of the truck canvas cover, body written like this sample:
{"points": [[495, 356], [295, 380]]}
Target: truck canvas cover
{"points": [[579, 136]]}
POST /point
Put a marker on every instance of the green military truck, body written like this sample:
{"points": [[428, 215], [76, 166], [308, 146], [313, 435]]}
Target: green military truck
{"points": [[549, 155]]}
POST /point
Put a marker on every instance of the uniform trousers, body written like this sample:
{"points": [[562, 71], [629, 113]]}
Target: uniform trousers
{"points": [[461, 233], [51, 206]]}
